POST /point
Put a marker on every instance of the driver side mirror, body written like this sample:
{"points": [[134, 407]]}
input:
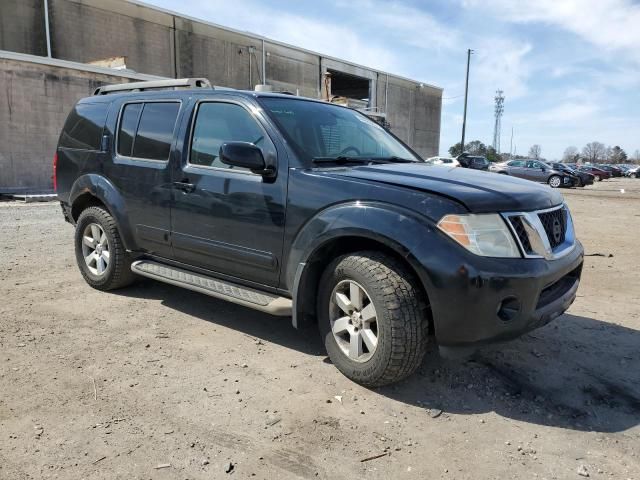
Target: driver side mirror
{"points": [[244, 155]]}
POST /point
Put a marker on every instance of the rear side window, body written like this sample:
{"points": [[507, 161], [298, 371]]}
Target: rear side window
{"points": [[146, 130], [83, 128], [128, 126]]}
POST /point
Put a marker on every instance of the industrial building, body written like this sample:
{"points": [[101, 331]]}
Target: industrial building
{"points": [[53, 52]]}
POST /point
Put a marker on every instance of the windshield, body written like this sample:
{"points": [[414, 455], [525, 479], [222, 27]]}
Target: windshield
{"points": [[324, 131]]}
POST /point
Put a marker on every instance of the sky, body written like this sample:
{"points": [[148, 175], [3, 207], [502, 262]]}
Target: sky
{"points": [[569, 69]]}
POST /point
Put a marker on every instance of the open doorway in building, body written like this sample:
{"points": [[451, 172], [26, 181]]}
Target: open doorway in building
{"points": [[349, 86]]}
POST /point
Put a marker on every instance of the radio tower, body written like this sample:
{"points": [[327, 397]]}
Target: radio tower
{"points": [[498, 125]]}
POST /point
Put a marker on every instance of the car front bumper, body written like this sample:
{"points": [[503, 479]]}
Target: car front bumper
{"points": [[479, 300]]}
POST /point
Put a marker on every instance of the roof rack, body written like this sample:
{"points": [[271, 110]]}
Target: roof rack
{"points": [[154, 85]]}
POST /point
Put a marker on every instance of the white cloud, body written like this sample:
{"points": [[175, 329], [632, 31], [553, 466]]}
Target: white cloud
{"points": [[504, 64], [611, 25], [406, 24]]}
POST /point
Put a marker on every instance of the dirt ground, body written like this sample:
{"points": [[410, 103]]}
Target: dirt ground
{"points": [[157, 382]]}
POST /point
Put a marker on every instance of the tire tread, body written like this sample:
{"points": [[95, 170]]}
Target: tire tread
{"points": [[121, 275], [405, 306]]}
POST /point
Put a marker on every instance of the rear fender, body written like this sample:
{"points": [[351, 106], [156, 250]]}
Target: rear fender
{"points": [[102, 189]]}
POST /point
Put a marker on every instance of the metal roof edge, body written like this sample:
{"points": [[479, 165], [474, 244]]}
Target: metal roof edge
{"points": [[55, 62]]}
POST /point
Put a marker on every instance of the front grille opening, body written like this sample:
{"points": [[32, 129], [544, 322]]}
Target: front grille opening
{"points": [[555, 226], [554, 291], [518, 227]]}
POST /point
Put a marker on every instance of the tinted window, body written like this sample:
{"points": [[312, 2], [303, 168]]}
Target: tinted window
{"points": [[217, 123], [155, 131], [516, 163], [128, 125], [83, 128]]}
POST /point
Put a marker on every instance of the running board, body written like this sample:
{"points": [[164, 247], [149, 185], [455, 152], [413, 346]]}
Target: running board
{"points": [[214, 287]]}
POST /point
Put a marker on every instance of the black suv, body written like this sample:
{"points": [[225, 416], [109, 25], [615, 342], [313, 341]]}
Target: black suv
{"points": [[302, 208]]}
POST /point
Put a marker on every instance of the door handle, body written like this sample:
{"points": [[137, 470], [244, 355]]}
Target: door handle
{"points": [[185, 186]]}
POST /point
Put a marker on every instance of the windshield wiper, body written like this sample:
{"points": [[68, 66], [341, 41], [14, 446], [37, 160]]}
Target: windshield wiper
{"points": [[395, 159], [342, 159]]}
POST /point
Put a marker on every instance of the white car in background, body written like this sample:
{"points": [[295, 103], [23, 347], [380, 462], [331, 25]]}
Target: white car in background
{"points": [[444, 161]]}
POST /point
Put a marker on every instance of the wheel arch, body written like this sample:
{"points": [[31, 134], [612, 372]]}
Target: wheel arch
{"points": [[95, 190], [355, 233]]}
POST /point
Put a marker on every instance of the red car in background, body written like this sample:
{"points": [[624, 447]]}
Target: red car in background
{"points": [[598, 173]]}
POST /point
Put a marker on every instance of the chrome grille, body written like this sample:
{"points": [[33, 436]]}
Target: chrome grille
{"points": [[555, 226], [543, 233], [521, 233]]}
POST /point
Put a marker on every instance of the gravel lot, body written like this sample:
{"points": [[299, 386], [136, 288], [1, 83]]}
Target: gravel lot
{"points": [[159, 382]]}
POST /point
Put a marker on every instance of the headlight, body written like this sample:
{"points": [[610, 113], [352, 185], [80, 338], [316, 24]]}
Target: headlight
{"points": [[485, 234]]}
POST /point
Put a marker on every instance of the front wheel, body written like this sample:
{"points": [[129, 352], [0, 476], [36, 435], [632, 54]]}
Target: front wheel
{"points": [[372, 319], [554, 181]]}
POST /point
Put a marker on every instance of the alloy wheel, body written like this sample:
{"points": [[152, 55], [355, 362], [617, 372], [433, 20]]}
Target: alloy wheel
{"points": [[95, 249], [353, 320], [555, 182]]}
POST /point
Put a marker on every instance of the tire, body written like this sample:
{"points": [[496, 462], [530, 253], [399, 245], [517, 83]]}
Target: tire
{"points": [[554, 181], [579, 183], [400, 326], [597, 178], [97, 233]]}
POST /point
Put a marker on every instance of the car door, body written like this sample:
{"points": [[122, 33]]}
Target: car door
{"points": [[228, 219], [532, 171], [516, 168], [142, 144]]}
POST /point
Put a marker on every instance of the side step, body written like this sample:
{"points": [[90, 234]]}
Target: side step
{"points": [[214, 287]]}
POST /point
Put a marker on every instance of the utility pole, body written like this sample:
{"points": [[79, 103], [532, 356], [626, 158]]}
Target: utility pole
{"points": [[466, 93], [497, 128], [511, 144]]}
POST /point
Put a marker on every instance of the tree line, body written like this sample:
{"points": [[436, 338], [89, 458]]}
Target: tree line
{"points": [[593, 152]]}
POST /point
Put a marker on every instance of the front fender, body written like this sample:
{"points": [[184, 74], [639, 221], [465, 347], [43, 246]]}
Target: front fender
{"points": [[402, 230], [101, 188]]}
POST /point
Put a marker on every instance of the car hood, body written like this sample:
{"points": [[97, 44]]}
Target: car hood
{"points": [[479, 191]]}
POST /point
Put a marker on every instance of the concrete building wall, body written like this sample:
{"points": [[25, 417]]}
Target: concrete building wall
{"points": [[35, 100], [89, 30], [22, 26], [158, 42]]}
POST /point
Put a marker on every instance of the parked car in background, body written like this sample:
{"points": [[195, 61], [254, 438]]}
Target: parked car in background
{"points": [[633, 172], [614, 171], [476, 162], [598, 173], [445, 161], [536, 171], [584, 178]]}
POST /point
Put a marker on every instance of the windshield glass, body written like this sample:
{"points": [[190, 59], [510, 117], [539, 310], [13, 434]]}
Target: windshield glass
{"points": [[321, 130]]}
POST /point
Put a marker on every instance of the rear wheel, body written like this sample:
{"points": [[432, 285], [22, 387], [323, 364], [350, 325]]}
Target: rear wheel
{"points": [[598, 178], [100, 254], [371, 317], [554, 181]]}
